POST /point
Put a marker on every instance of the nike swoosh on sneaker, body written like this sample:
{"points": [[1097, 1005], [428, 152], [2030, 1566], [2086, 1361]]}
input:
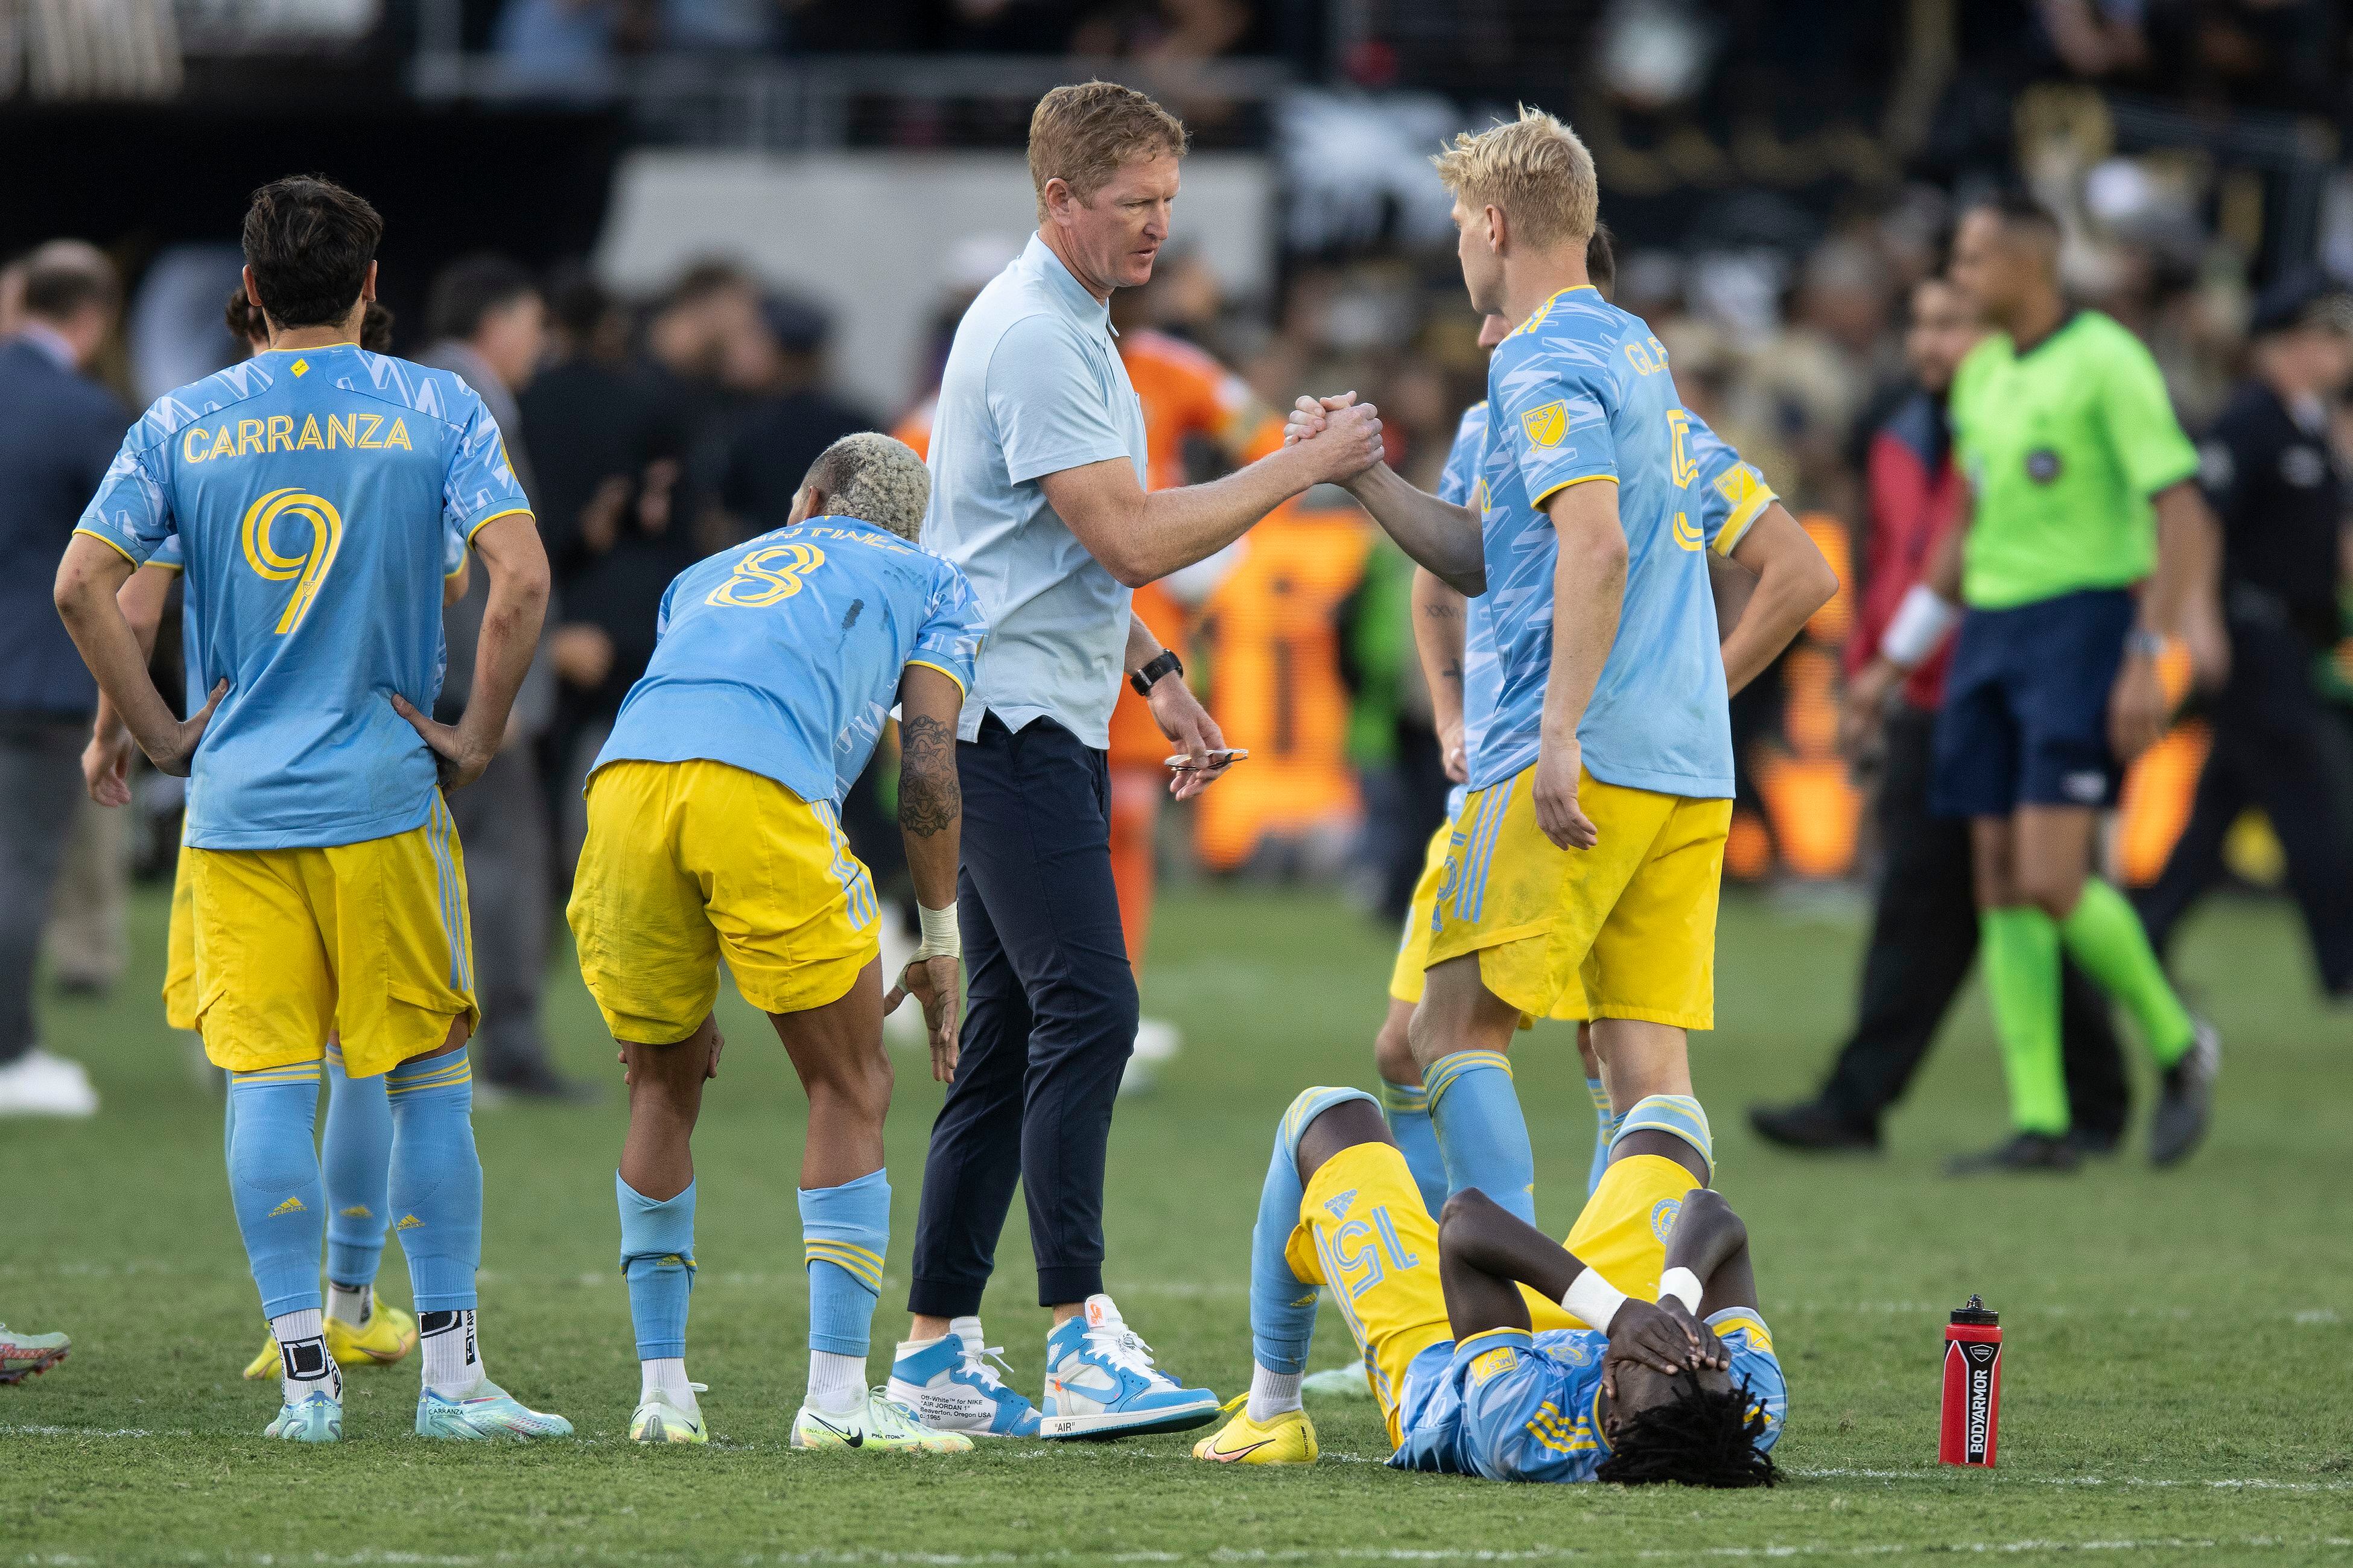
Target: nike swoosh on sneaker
{"points": [[855, 1439], [1234, 1455]]}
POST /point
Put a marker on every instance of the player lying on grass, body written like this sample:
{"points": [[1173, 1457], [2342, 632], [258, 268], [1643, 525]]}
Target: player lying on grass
{"points": [[356, 1147], [1633, 1353], [712, 833]]}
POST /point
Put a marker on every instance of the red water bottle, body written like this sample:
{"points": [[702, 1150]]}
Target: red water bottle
{"points": [[1972, 1386]]}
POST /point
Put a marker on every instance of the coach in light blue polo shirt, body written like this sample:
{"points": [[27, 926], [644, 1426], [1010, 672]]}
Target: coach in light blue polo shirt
{"points": [[1037, 464]]}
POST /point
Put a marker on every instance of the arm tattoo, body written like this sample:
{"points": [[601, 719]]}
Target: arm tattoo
{"points": [[1438, 612], [1452, 673], [930, 799]]}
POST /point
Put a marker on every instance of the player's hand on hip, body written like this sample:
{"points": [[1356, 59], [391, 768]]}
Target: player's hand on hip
{"points": [[175, 751], [106, 767], [1183, 719], [1453, 757], [933, 982], [1557, 813], [455, 762], [2136, 708]]}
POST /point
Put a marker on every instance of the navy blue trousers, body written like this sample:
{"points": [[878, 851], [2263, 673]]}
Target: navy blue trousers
{"points": [[1048, 1023]]}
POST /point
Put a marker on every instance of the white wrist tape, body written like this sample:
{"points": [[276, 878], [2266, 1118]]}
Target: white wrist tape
{"points": [[1593, 1301], [1920, 625], [1684, 1285], [942, 939]]}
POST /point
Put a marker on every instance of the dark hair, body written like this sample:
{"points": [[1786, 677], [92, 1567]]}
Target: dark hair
{"points": [[1601, 258], [704, 279], [61, 281], [375, 328], [309, 242], [238, 318], [470, 290], [2018, 209], [1698, 1437], [577, 302]]}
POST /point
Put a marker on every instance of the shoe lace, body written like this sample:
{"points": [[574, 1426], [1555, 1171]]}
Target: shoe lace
{"points": [[988, 1364], [888, 1416], [1124, 1348]]}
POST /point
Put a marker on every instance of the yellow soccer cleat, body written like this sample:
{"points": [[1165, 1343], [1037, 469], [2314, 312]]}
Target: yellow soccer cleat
{"points": [[389, 1334], [266, 1364], [1287, 1439]]}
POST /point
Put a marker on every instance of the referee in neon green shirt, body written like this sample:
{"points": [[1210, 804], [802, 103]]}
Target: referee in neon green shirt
{"points": [[2087, 544]]}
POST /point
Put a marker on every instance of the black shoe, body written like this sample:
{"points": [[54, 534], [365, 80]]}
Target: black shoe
{"points": [[2098, 1142], [537, 1080], [2187, 1103], [1810, 1124], [2025, 1151]]}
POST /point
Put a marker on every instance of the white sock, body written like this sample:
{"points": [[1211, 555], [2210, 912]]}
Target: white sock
{"points": [[1271, 1393], [453, 1364], [304, 1366], [665, 1376], [352, 1304], [968, 1331], [835, 1382]]}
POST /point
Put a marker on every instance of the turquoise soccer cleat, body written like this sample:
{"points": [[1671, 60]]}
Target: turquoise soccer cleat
{"points": [[316, 1418], [489, 1413]]}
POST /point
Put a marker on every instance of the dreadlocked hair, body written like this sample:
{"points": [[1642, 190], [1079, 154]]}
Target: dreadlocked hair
{"points": [[1700, 1438]]}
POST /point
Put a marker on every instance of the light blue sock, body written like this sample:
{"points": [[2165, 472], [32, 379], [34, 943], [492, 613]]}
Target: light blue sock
{"points": [[1282, 1304], [273, 1180], [1481, 1131], [1605, 1130], [658, 1262], [357, 1157], [1407, 1108], [437, 1180], [1679, 1114], [845, 1231]]}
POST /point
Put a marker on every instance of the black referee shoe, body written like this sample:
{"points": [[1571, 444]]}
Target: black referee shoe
{"points": [[1811, 1126], [2026, 1152], [2187, 1102]]}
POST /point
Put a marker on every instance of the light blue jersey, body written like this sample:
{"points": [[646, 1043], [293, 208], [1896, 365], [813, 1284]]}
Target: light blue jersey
{"points": [[1462, 484], [782, 657], [314, 493], [1580, 393], [1515, 1406]]}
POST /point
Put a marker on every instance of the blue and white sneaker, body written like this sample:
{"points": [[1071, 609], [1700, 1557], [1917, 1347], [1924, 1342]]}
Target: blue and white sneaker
{"points": [[1101, 1382], [955, 1383], [488, 1413], [317, 1417]]}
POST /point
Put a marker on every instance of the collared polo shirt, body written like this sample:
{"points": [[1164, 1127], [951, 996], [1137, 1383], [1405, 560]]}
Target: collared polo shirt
{"points": [[1033, 385]]}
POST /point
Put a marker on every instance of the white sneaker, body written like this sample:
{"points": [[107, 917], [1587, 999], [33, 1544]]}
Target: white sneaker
{"points": [[1100, 1382], [955, 1383], [38, 1084], [1157, 1040], [876, 1425]]}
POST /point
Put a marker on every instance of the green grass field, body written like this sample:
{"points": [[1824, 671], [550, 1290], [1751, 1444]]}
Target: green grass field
{"points": [[2176, 1382]]}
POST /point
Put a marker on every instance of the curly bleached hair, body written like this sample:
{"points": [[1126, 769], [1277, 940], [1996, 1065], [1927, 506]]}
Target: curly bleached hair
{"points": [[876, 480]]}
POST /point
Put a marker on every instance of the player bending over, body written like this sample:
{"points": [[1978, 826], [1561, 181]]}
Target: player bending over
{"points": [[1633, 1353], [315, 491], [712, 832], [355, 1148]]}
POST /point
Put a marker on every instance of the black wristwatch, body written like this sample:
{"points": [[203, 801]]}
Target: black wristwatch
{"points": [[1166, 663]]}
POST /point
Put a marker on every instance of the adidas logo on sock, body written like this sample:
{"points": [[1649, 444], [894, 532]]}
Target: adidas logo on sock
{"points": [[409, 1222], [291, 1206]]}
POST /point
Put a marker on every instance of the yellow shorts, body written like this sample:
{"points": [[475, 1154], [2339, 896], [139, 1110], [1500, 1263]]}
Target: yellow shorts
{"points": [[687, 861], [1413, 950], [1632, 919], [370, 939], [1364, 1232], [180, 994], [1624, 1227]]}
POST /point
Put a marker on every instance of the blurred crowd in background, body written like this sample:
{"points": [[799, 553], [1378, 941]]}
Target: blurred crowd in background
{"points": [[1777, 186]]}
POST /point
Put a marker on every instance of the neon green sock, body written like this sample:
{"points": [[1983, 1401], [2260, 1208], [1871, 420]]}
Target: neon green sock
{"points": [[2106, 938], [2021, 950]]}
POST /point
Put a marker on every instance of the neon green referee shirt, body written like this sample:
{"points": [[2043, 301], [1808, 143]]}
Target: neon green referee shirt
{"points": [[2063, 446]]}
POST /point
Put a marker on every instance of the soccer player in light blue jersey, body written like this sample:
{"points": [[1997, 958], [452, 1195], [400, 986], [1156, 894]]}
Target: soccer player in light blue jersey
{"points": [[712, 833], [313, 490], [1589, 852]]}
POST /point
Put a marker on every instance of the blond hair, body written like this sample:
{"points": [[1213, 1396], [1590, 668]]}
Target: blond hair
{"points": [[1534, 168], [876, 480], [1082, 135]]}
